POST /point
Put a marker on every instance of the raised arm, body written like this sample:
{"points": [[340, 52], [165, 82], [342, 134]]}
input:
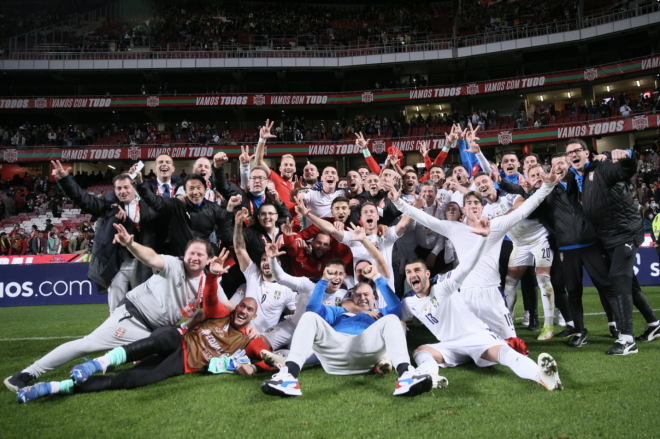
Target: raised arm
{"points": [[239, 241], [292, 282], [364, 146], [67, 183], [444, 228], [323, 225], [360, 235], [530, 205], [219, 178], [212, 306], [143, 254], [162, 205], [392, 301], [264, 135]]}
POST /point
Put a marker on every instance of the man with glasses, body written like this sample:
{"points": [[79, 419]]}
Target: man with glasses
{"points": [[254, 195], [600, 187]]}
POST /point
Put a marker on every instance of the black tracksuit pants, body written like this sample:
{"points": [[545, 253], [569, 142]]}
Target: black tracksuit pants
{"points": [[160, 355], [626, 289], [597, 265]]}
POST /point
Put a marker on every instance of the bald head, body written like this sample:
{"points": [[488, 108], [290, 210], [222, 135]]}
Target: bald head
{"points": [[245, 312], [202, 167]]}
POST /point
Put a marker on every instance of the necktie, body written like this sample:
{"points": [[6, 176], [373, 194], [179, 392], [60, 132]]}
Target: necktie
{"points": [[166, 191]]}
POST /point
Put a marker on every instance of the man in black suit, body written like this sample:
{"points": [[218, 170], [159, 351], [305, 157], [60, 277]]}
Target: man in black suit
{"points": [[112, 267], [37, 244], [166, 182]]}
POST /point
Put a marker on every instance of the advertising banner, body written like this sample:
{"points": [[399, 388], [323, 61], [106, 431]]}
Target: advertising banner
{"points": [[244, 100], [47, 284], [345, 147], [41, 259]]}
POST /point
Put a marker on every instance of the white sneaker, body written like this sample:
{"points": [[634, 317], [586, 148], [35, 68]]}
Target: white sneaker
{"points": [[384, 366], [282, 384], [272, 359], [526, 318], [560, 318], [439, 382], [413, 383], [548, 375]]}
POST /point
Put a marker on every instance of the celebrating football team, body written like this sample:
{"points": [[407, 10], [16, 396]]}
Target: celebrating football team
{"points": [[277, 272]]}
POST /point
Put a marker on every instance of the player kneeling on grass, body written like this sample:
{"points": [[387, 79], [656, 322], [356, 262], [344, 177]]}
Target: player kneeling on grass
{"points": [[349, 344], [218, 344], [462, 335]]}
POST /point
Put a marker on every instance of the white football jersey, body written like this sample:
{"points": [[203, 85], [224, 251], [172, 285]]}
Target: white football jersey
{"points": [[526, 232]]}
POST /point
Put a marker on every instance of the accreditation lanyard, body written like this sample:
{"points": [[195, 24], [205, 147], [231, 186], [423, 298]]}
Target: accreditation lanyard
{"points": [[171, 191], [190, 309]]}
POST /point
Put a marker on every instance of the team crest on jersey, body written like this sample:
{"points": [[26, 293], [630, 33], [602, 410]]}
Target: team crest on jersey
{"points": [[640, 122], [153, 101], [41, 103], [590, 74], [277, 295], [505, 137], [11, 155], [119, 333], [472, 89], [259, 100], [427, 309], [434, 302], [367, 97], [337, 301], [270, 330]]}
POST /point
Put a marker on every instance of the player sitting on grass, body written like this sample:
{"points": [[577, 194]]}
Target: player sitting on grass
{"points": [[349, 344], [171, 351], [461, 335]]}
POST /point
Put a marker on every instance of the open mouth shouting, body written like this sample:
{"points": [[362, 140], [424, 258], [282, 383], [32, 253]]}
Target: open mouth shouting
{"points": [[164, 169], [240, 317]]}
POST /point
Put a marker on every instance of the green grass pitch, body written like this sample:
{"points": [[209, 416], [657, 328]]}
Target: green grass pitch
{"points": [[617, 397]]}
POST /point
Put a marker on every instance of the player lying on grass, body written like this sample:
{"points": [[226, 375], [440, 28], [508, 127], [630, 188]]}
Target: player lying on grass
{"points": [[171, 351], [161, 301], [349, 344], [461, 335]]}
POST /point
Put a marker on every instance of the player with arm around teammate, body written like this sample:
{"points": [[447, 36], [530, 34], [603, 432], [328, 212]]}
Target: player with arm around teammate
{"points": [[461, 335]]}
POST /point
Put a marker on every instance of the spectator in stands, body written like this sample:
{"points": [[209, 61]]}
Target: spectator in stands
{"points": [[624, 110], [64, 249], [9, 206], [49, 225], [80, 244], [18, 245], [54, 245], [5, 244], [38, 244]]}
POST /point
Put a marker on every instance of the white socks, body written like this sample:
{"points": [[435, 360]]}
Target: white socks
{"points": [[426, 363], [522, 366], [547, 297], [510, 292]]}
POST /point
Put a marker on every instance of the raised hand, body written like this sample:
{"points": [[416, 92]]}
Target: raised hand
{"points": [[393, 193], [58, 170], [526, 186], [338, 225], [299, 184], [361, 142], [287, 228], [138, 178], [264, 132], [245, 156], [274, 196], [329, 273], [242, 214], [234, 202], [370, 272], [382, 229], [552, 177], [220, 159], [122, 237], [121, 215], [218, 263], [423, 150], [300, 206], [497, 178], [619, 154], [481, 226], [273, 252], [358, 233], [419, 202], [451, 137]]}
